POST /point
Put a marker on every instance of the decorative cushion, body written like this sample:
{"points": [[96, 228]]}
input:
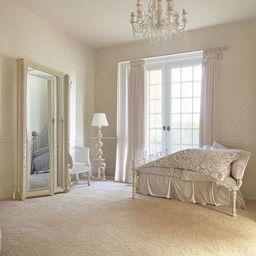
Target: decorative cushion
{"points": [[238, 167]]}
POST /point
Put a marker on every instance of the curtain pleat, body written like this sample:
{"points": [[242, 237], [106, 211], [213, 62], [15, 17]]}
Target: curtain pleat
{"points": [[209, 86]]}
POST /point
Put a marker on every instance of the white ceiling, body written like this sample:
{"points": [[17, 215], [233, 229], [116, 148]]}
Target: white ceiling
{"points": [[102, 23]]}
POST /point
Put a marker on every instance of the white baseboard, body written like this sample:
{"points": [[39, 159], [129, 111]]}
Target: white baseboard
{"points": [[249, 189], [6, 191]]}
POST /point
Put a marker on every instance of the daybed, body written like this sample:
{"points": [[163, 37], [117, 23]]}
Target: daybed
{"points": [[210, 175]]}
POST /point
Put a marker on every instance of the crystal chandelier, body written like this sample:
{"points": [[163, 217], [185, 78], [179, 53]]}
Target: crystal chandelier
{"points": [[155, 23]]}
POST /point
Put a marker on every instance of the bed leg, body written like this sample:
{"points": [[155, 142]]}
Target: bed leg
{"points": [[133, 180], [234, 214]]}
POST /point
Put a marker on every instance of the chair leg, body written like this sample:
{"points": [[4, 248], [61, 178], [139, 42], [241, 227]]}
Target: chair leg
{"points": [[234, 214], [89, 178]]}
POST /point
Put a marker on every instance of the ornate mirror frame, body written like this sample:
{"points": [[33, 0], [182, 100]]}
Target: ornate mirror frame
{"points": [[63, 81]]}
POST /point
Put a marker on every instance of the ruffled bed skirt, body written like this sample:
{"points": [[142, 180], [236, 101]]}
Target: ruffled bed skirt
{"points": [[200, 192]]}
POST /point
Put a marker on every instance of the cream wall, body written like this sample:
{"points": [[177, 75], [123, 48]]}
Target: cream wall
{"points": [[236, 93], [24, 35]]}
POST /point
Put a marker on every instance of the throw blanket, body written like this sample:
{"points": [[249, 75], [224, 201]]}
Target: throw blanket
{"points": [[213, 163]]}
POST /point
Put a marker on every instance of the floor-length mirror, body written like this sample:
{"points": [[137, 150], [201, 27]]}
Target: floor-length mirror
{"points": [[43, 134], [39, 92]]}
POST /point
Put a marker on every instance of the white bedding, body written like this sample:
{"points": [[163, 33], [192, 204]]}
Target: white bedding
{"points": [[215, 164], [203, 176], [201, 192]]}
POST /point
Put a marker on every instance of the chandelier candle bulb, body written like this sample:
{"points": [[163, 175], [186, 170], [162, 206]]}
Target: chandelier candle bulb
{"points": [[152, 6], [139, 9], [169, 6], [184, 19], [177, 18], [160, 8], [132, 18]]}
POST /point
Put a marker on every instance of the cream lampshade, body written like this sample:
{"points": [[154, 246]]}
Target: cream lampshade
{"points": [[99, 120]]}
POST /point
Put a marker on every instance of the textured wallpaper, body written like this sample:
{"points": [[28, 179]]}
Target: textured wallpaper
{"points": [[235, 96]]}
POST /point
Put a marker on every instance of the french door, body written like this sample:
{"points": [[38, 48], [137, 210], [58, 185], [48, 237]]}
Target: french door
{"points": [[173, 106]]}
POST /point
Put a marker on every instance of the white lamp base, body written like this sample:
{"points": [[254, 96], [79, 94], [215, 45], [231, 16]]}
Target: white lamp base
{"points": [[98, 161]]}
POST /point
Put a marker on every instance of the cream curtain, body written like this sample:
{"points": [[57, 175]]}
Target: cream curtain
{"points": [[209, 86], [130, 121]]}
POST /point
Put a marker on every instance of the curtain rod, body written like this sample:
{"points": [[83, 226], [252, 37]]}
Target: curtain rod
{"points": [[222, 48]]}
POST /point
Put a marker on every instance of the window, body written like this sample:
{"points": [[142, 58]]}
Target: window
{"points": [[173, 105]]}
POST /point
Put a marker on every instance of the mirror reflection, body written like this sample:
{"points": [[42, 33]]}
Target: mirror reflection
{"points": [[38, 121]]}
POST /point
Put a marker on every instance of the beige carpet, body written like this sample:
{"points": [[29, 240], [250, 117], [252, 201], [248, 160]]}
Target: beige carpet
{"points": [[103, 220]]}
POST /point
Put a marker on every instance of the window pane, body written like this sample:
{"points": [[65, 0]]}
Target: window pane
{"points": [[175, 106], [186, 137], [187, 90], [175, 90], [187, 74], [175, 121], [187, 121], [155, 121], [175, 148], [196, 137], [155, 77], [196, 105], [198, 73], [187, 105], [155, 148], [176, 75], [155, 136], [197, 89], [155, 91], [196, 121], [175, 136], [155, 106]]}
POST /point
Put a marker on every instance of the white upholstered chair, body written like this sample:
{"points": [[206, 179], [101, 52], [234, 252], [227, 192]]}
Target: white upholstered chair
{"points": [[80, 162]]}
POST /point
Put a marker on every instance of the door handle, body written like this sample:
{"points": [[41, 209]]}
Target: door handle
{"points": [[164, 128], [168, 128]]}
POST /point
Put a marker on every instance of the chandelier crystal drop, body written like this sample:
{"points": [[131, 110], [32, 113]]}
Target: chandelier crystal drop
{"points": [[159, 21]]}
